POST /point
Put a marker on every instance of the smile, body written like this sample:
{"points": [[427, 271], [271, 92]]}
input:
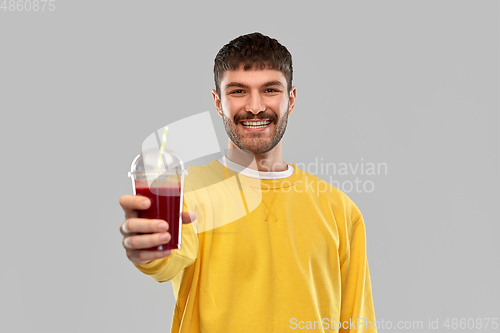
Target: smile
{"points": [[256, 124]]}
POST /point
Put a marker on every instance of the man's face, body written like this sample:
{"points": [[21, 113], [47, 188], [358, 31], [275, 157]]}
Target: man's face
{"points": [[254, 106]]}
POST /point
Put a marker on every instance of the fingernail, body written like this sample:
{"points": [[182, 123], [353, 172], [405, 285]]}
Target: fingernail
{"points": [[163, 226], [165, 237], [144, 203], [127, 242]]}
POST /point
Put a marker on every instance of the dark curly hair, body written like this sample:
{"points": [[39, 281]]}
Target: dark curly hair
{"points": [[253, 50]]}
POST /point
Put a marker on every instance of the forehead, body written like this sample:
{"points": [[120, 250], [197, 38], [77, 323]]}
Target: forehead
{"points": [[252, 77]]}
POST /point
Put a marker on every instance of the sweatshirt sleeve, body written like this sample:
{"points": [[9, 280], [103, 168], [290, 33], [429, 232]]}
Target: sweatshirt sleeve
{"points": [[165, 269], [357, 303]]}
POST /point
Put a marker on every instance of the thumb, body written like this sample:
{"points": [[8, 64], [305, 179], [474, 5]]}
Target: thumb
{"points": [[188, 217]]}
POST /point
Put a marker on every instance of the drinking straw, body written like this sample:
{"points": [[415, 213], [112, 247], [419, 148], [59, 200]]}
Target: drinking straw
{"points": [[162, 150], [162, 147]]}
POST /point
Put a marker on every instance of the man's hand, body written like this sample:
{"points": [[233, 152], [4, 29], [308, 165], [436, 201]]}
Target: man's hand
{"points": [[155, 231]]}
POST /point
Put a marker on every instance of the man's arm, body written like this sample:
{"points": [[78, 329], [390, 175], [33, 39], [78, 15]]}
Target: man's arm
{"points": [[357, 302], [139, 234], [165, 269]]}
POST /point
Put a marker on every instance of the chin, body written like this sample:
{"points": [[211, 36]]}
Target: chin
{"points": [[256, 150]]}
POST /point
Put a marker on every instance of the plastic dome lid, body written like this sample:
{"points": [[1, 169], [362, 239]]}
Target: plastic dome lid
{"points": [[155, 161]]}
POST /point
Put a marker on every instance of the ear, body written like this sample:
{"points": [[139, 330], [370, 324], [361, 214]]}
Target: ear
{"points": [[217, 102], [291, 99]]}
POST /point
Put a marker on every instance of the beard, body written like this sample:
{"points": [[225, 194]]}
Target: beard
{"points": [[256, 143]]}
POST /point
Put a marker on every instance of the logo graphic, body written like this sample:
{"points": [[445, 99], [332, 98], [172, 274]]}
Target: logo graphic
{"points": [[217, 199]]}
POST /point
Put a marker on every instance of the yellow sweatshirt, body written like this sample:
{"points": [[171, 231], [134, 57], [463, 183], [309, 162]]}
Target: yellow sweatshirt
{"points": [[268, 255]]}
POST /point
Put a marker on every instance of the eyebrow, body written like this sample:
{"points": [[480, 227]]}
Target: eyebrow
{"points": [[241, 85]]}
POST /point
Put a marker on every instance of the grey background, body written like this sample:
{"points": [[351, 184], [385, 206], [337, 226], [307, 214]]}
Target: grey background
{"points": [[413, 84]]}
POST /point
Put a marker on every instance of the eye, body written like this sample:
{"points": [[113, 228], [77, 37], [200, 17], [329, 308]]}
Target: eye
{"points": [[271, 90], [239, 91]]}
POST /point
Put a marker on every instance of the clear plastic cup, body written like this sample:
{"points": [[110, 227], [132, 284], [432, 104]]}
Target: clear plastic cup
{"points": [[159, 176]]}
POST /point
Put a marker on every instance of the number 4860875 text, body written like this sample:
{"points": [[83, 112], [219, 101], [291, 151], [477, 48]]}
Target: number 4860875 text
{"points": [[28, 5]]}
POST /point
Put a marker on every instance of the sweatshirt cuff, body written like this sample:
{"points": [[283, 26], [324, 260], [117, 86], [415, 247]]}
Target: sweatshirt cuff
{"points": [[153, 266], [160, 271]]}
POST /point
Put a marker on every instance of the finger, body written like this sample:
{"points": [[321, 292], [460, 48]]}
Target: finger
{"points": [[143, 226], [131, 203], [188, 217], [137, 242], [141, 257], [124, 229]]}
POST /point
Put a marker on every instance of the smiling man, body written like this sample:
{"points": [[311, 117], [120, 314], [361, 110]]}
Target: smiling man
{"points": [[255, 110], [267, 247], [254, 98]]}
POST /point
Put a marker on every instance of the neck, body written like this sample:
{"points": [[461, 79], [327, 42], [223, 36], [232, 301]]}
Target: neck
{"points": [[272, 161]]}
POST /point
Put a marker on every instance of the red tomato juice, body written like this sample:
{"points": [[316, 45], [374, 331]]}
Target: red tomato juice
{"points": [[165, 205]]}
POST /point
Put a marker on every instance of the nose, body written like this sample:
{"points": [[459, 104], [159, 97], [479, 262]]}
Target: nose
{"points": [[255, 104]]}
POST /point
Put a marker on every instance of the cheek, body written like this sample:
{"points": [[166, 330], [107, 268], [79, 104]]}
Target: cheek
{"points": [[229, 107], [284, 106]]}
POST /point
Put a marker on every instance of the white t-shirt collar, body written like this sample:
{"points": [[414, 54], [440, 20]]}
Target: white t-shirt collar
{"points": [[244, 171]]}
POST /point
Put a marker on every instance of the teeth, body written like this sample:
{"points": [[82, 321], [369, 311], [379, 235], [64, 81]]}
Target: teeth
{"points": [[256, 123]]}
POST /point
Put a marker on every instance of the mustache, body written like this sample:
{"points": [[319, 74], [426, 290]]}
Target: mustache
{"points": [[259, 116]]}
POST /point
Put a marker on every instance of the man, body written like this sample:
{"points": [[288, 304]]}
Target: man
{"points": [[267, 251]]}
